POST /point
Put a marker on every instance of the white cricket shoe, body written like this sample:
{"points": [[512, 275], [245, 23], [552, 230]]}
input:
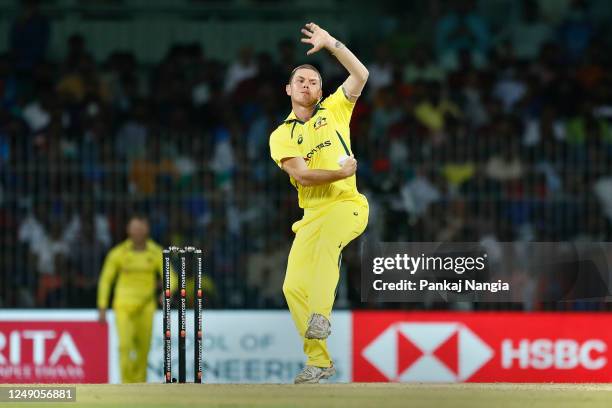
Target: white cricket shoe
{"points": [[312, 375]]}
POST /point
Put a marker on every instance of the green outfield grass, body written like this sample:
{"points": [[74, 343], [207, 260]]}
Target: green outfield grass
{"points": [[338, 395]]}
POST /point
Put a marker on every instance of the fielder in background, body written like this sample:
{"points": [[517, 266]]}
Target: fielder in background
{"points": [[134, 267], [313, 146]]}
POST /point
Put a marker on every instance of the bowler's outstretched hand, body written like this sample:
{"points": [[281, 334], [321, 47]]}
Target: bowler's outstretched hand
{"points": [[317, 37]]}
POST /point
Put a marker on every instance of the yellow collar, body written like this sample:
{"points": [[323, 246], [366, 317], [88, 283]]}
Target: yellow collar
{"points": [[292, 118]]}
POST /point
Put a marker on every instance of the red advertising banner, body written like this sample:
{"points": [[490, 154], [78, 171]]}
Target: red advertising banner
{"points": [[53, 352], [482, 347]]}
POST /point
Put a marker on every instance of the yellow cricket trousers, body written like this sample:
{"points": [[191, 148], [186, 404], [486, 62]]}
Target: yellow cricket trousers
{"points": [[134, 331], [313, 266]]}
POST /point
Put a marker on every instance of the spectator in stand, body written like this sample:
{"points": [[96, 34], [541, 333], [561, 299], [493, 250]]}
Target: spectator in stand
{"points": [[264, 274], [77, 50], [9, 85], [37, 113], [529, 33], [29, 36], [146, 173], [422, 68], [87, 216], [286, 55], [576, 31], [462, 29], [86, 254], [459, 166], [382, 70], [133, 136], [420, 192], [433, 110], [124, 84], [82, 80], [243, 68], [506, 165]]}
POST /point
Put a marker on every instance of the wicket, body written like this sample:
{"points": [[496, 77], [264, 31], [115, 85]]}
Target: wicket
{"points": [[192, 256]]}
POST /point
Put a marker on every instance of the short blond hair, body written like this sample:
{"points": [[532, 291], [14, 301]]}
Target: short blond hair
{"points": [[306, 66]]}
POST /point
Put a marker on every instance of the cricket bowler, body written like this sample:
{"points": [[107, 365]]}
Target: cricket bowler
{"points": [[313, 146]]}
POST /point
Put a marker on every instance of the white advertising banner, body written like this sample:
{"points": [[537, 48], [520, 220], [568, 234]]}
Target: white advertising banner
{"points": [[249, 347]]}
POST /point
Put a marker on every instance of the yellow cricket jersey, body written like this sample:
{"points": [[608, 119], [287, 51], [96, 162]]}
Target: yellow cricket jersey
{"points": [[136, 274], [321, 141]]}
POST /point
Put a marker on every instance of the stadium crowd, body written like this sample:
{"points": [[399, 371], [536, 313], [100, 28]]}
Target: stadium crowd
{"points": [[470, 133]]}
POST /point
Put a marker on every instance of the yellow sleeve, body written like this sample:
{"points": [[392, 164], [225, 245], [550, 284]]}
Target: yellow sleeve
{"points": [[282, 147], [341, 107], [107, 277]]}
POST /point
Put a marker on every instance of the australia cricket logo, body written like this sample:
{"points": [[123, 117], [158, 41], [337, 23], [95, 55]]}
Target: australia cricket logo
{"points": [[320, 122]]}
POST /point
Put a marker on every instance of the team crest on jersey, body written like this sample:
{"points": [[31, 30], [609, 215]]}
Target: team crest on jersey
{"points": [[300, 139], [320, 122]]}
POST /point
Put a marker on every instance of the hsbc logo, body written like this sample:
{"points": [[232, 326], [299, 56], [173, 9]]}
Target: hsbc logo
{"points": [[481, 347], [561, 354], [432, 352]]}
